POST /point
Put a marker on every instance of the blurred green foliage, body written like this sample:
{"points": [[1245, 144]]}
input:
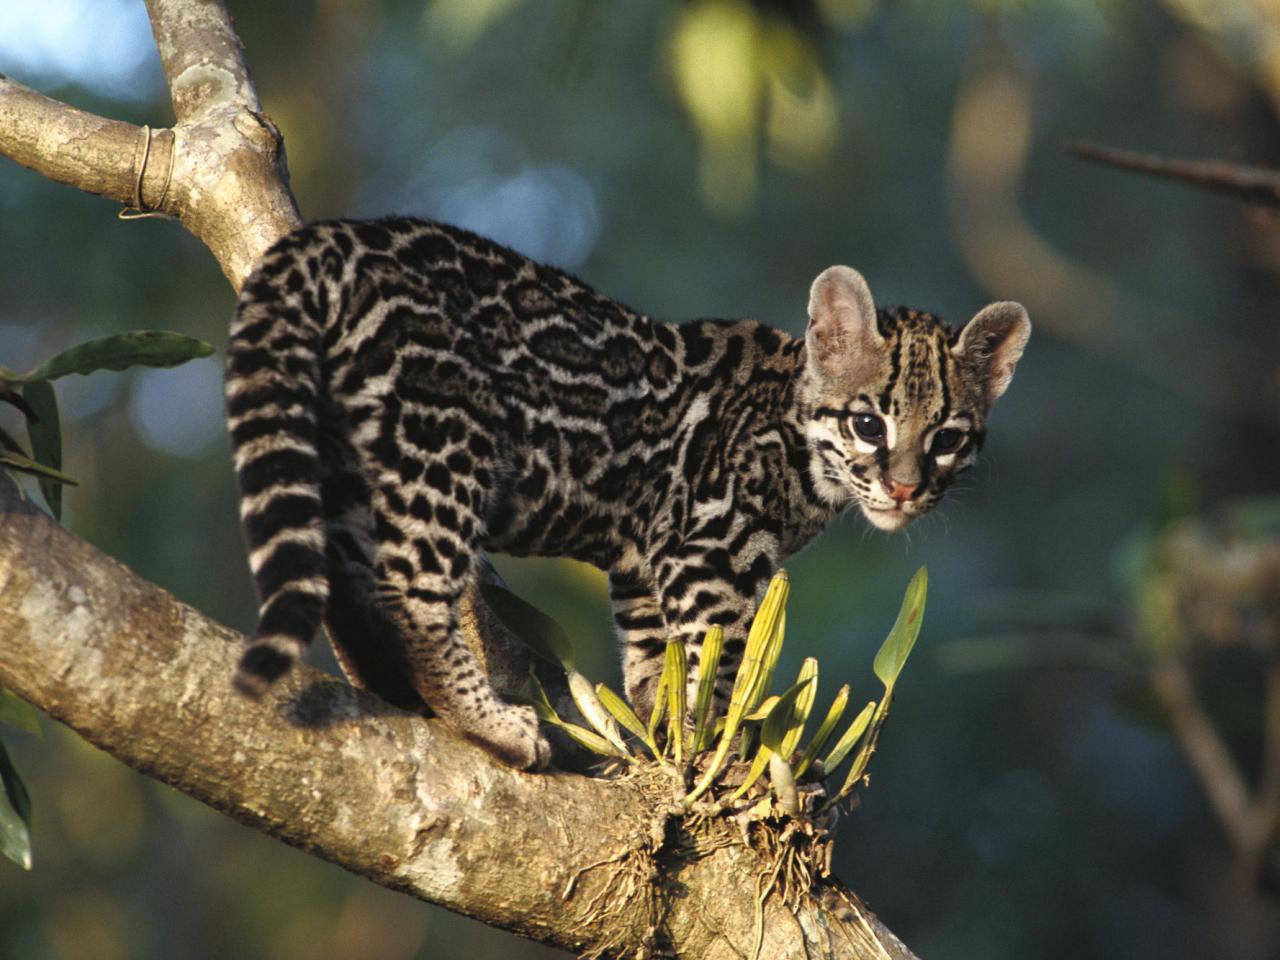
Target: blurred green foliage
{"points": [[32, 394], [708, 159]]}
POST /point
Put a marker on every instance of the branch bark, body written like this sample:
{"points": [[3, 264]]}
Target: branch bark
{"points": [[71, 146]]}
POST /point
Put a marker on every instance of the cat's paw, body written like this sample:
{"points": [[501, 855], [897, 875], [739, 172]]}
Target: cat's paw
{"points": [[514, 738]]}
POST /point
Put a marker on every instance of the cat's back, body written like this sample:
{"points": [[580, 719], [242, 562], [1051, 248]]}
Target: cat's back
{"points": [[401, 279], [477, 280]]}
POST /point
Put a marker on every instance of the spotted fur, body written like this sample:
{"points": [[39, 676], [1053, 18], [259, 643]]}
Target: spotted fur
{"points": [[405, 395]]}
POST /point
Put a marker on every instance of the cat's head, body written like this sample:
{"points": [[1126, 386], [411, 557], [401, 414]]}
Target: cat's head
{"points": [[898, 401]]}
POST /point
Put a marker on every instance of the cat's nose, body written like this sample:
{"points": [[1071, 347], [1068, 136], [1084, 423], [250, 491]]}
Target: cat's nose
{"points": [[898, 492]]}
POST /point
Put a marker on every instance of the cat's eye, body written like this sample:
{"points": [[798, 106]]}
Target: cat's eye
{"points": [[947, 440], [868, 427]]}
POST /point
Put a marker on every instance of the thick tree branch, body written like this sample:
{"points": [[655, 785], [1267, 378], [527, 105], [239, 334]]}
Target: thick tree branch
{"points": [[71, 146], [202, 56], [595, 866], [231, 181]]}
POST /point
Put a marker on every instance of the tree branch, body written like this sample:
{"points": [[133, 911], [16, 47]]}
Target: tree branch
{"points": [[227, 181], [1247, 184], [1206, 752], [202, 57], [74, 147], [990, 145], [592, 865]]}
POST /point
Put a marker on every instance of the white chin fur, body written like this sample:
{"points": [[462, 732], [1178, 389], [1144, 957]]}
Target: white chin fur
{"points": [[887, 519]]}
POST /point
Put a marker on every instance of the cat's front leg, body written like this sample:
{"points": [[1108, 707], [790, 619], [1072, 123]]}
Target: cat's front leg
{"points": [[698, 589], [642, 637]]}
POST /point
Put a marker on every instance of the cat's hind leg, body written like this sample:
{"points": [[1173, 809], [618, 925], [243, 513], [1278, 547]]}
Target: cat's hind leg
{"points": [[427, 530]]}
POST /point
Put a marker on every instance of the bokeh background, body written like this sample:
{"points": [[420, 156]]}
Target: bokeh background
{"points": [[708, 158]]}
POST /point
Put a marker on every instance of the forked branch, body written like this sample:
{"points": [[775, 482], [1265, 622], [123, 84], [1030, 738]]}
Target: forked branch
{"points": [[220, 169]]}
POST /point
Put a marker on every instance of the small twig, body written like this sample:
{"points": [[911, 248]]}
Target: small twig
{"points": [[1256, 185], [1270, 780], [1207, 753], [1267, 805]]}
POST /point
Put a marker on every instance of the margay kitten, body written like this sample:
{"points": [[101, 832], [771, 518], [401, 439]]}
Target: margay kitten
{"points": [[404, 395]]}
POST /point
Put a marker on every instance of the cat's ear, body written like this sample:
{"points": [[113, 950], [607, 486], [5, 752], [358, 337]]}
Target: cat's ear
{"points": [[842, 320], [991, 344]]}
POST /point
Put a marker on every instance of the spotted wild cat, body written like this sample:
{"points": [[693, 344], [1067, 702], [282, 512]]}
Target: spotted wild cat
{"points": [[404, 395]]}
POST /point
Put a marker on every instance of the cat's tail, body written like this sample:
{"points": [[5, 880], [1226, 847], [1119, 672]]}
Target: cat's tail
{"points": [[272, 383]]}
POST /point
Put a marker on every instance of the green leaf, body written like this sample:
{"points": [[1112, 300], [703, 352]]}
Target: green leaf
{"points": [[593, 711], [592, 740], [781, 734], [825, 729], [897, 646], [16, 712], [45, 433], [764, 643], [659, 704], [709, 667], [15, 814], [848, 740], [758, 764], [676, 667], [17, 461], [773, 733], [762, 711], [868, 747], [622, 712], [888, 665], [781, 718], [547, 714], [540, 633], [539, 701], [146, 348]]}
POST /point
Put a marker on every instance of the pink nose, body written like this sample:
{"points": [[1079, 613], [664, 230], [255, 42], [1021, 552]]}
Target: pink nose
{"points": [[898, 492]]}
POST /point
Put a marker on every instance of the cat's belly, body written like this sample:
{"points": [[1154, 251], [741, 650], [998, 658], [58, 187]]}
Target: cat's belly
{"points": [[553, 525]]}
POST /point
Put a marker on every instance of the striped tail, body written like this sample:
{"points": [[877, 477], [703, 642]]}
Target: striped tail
{"points": [[272, 381]]}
